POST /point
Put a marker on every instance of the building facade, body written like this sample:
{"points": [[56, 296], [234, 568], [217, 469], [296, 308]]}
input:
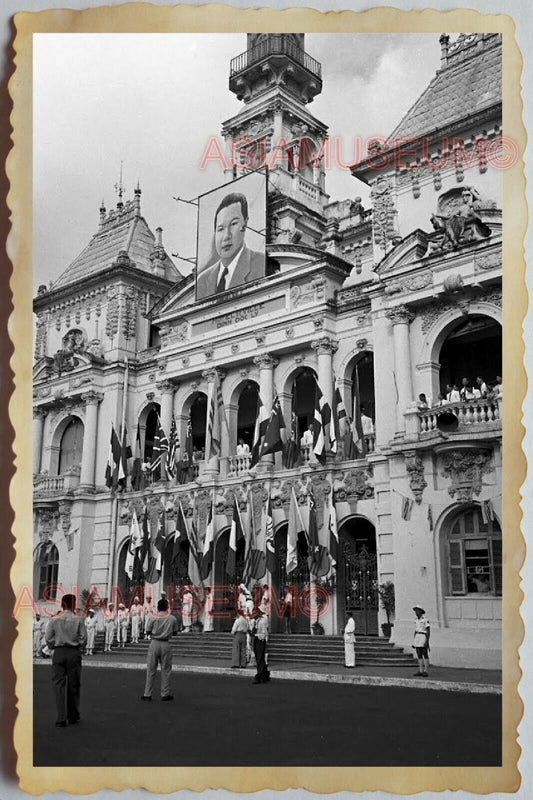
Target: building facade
{"points": [[385, 304]]}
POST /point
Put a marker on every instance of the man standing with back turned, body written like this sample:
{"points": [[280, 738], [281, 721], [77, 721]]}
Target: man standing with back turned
{"points": [[160, 628], [66, 636]]}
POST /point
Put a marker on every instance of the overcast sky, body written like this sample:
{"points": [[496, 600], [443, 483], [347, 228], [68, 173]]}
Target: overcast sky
{"points": [[153, 100]]}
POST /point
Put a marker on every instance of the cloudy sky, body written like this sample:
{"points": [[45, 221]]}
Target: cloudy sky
{"points": [[152, 101]]}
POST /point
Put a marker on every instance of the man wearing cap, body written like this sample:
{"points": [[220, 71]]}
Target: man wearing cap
{"points": [[122, 625], [110, 625], [421, 641], [260, 634], [66, 636], [136, 613], [160, 628]]}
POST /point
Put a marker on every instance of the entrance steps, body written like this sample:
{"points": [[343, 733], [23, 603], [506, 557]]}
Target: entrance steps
{"points": [[282, 648]]}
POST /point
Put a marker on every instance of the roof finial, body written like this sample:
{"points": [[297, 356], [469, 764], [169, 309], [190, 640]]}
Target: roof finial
{"points": [[137, 198], [444, 42], [120, 189], [102, 213]]}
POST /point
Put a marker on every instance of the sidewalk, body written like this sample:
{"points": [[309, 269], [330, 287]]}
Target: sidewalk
{"points": [[448, 679]]}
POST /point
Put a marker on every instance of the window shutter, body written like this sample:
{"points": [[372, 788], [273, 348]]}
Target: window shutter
{"points": [[495, 546], [456, 567]]}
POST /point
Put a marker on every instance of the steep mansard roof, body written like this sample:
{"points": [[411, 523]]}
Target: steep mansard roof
{"points": [[122, 229], [469, 82]]}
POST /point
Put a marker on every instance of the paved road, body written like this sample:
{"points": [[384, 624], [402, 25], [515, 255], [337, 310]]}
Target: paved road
{"points": [[225, 721]]}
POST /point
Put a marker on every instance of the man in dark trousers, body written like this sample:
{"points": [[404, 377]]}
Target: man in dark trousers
{"points": [[160, 629], [260, 644], [66, 636]]}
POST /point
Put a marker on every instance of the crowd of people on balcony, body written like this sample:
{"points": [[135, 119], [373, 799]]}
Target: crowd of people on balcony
{"points": [[468, 391]]}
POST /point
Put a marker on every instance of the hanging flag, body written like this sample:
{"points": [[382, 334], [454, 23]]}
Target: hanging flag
{"points": [[133, 545], [340, 420], [114, 471], [487, 511], [318, 554], [146, 543], [160, 447], [269, 538], [333, 533], [160, 539], [296, 526], [357, 428], [153, 572], [136, 472], [173, 446], [430, 518], [216, 419], [319, 440], [261, 424], [125, 454], [273, 443], [110, 463], [256, 562], [407, 505], [209, 545], [194, 545], [182, 534], [292, 456], [236, 535]]}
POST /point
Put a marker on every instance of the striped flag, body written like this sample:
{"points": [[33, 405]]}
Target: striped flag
{"points": [[256, 561], [296, 526], [136, 472], [236, 535], [160, 447], [173, 446], [146, 543], [340, 419], [125, 455], [114, 470], [268, 525], [333, 533], [160, 539], [357, 428], [216, 419], [273, 443], [194, 547], [319, 439], [261, 424], [318, 554], [133, 545], [209, 545]]}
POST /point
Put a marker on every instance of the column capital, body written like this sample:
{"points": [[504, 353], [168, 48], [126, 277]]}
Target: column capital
{"points": [[39, 412], [211, 373], [325, 345], [165, 387], [400, 315], [92, 398], [266, 361]]}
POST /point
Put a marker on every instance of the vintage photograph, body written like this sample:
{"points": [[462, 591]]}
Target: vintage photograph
{"points": [[268, 399]]}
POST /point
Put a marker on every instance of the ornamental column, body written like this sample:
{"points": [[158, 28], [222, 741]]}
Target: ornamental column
{"points": [[400, 317], [324, 348], [220, 428], [88, 455], [39, 415], [266, 364], [166, 389]]}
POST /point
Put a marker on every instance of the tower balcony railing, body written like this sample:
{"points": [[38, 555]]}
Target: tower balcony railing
{"points": [[275, 46]]}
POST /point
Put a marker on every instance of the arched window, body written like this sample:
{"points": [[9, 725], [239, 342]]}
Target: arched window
{"points": [[247, 413], [198, 424], [473, 349], [474, 553], [48, 565], [303, 401], [151, 428], [363, 384], [71, 446]]}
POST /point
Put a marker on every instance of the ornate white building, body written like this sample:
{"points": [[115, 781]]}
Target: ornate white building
{"points": [[397, 300]]}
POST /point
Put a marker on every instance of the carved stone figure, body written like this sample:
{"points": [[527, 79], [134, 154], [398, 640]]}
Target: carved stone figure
{"points": [[458, 221]]}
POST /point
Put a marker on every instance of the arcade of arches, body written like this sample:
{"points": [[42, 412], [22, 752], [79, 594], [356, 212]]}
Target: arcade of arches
{"points": [[473, 348]]}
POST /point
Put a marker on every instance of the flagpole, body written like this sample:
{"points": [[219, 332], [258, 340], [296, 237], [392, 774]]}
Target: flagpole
{"points": [[114, 508]]}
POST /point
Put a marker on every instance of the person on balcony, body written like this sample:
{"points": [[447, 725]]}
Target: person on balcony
{"points": [[483, 389], [453, 395], [498, 386], [466, 392], [243, 449], [307, 438], [367, 424], [422, 403]]}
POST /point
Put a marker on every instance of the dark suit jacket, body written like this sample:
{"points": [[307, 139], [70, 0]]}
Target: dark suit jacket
{"points": [[250, 267]]}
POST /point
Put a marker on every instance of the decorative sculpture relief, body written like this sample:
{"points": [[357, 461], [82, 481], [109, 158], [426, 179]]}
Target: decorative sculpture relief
{"points": [[384, 213], [457, 220], [465, 468], [415, 469]]}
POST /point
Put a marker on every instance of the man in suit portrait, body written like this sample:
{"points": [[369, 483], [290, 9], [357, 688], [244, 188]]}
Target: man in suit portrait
{"points": [[236, 263]]}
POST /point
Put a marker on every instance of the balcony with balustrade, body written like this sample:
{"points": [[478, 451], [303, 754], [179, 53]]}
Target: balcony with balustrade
{"points": [[475, 419]]}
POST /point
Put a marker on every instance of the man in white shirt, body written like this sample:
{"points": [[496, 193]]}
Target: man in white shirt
{"points": [[367, 425], [307, 437], [242, 448], [237, 264]]}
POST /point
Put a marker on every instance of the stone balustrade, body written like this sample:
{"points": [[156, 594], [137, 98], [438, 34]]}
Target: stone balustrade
{"points": [[49, 484], [468, 413], [238, 465]]}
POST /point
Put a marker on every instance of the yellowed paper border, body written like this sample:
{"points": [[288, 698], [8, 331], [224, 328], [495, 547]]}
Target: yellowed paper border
{"points": [[218, 18]]}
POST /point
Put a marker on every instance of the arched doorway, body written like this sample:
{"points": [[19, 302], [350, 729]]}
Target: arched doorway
{"points": [[298, 579], [71, 446], [176, 565], [247, 413], [226, 589], [473, 348], [357, 576]]}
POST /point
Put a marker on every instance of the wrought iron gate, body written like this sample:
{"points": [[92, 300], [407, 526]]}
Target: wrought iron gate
{"points": [[298, 578], [360, 587], [226, 592]]}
